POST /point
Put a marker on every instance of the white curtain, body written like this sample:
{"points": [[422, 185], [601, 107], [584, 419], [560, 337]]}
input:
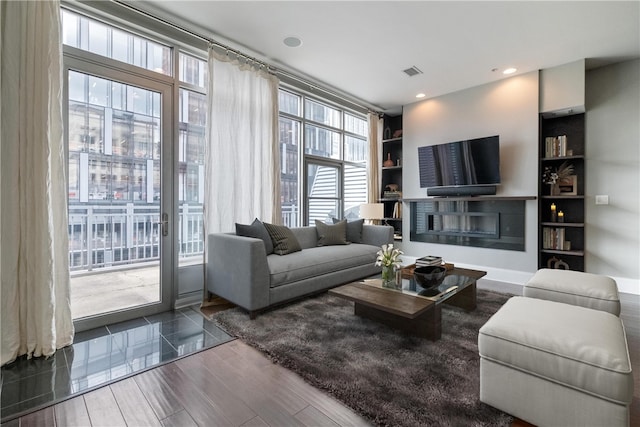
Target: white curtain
{"points": [[242, 179], [375, 157], [36, 311]]}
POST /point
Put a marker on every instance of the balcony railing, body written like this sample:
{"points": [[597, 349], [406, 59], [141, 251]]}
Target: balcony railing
{"points": [[111, 235], [117, 235]]}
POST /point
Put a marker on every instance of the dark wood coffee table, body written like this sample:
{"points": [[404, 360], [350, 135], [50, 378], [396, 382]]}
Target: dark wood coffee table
{"points": [[405, 308]]}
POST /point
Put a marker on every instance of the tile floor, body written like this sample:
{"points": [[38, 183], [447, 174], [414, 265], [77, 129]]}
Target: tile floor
{"points": [[102, 355]]}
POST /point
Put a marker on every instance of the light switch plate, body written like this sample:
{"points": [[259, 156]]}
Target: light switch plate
{"points": [[602, 200]]}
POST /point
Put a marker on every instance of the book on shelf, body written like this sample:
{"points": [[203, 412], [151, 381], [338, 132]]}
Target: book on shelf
{"points": [[553, 238], [428, 260], [392, 194], [397, 210], [555, 146]]}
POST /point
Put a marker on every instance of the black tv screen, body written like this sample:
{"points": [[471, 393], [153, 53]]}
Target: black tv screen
{"points": [[460, 163]]}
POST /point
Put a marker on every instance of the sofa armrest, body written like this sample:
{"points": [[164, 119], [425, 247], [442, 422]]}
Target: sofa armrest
{"points": [[237, 270], [377, 235]]}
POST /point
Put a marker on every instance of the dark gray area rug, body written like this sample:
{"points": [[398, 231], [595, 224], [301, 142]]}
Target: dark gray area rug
{"points": [[388, 377]]}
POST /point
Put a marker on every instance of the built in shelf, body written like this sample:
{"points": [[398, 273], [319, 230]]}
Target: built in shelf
{"points": [[392, 140], [551, 159], [561, 252], [563, 197], [563, 224], [386, 168]]}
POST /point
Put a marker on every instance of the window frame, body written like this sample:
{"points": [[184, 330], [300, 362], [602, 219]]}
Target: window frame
{"points": [[304, 158], [186, 284]]}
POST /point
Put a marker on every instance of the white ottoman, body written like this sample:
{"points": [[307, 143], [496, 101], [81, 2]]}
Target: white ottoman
{"points": [[574, 287], [550, 363]]}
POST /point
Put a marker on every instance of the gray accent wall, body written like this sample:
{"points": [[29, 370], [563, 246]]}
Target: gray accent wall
{"points": [[508, 108], [613, 169]]}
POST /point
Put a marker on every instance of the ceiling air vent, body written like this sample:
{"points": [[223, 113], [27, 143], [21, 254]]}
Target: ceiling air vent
{"points": [[412, 71]]}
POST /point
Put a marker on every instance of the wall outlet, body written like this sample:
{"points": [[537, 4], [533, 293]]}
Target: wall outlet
{"points": [[602, 200]]}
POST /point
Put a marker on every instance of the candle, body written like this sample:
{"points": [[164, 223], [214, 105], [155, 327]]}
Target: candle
{"points": [[553, 212], [560, 216]]}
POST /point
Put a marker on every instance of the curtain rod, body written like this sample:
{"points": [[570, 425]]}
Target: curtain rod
{"points": [[240, 54]]}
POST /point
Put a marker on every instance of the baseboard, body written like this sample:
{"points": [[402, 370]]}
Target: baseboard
{"points": [[188, 299]]}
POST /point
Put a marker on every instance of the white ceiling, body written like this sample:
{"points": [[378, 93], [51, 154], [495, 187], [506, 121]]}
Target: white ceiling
{"points": [[361, 47]]}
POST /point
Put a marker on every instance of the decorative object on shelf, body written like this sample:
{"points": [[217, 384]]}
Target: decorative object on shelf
{"points": [[389, 259], [553, 212], [557, 264], [566, 186], [392, 191], [552, 177], [397, 134], [560, 216], [388, 163], [387, 133]]}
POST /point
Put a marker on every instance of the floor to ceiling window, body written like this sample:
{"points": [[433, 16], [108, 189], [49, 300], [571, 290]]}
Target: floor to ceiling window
{"points": [[136, 118], [192, 107], [328, 142]]}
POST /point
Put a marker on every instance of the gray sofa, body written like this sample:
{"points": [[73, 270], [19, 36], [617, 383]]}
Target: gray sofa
{"points": [[240, 271]]}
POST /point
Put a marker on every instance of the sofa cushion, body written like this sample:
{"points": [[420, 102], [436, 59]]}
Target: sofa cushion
{"points": [[284, 241], [354, 230], [256, 230], [317, 261], [307, 236], [329, 235]]}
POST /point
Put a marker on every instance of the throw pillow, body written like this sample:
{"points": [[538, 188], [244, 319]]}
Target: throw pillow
{"points": [[354, 230], [335, 234], [283, 239], [257, 230]]}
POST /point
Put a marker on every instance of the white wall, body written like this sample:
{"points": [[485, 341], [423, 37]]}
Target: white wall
{"points": [[508, 108], [563, 87], [613, 169]]}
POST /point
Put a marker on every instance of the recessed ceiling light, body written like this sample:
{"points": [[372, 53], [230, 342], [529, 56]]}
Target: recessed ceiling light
{"points": [[420, 95], [292, 41], [509, 71]]}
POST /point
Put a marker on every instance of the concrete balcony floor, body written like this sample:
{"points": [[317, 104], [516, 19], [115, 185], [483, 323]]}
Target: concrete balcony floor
{"points": [[102, 291]]}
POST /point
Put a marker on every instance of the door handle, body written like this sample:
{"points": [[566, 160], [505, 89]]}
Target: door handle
{"points": [[164, 224]]}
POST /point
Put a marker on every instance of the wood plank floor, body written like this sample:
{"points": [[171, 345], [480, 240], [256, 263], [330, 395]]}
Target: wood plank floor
{"points": [[235, 385], [229, 385]]}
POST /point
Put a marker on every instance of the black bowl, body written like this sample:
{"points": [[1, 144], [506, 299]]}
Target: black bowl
{"points": [[430, 276]]}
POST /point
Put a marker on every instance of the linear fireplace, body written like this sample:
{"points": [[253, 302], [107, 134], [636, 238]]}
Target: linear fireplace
{"points": [[486, 222]]}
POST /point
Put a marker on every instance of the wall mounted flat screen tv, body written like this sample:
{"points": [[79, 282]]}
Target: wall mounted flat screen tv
{"points": [[474, 162]]}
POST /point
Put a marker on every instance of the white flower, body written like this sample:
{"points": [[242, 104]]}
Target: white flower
{"points": [[388, 256]]}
